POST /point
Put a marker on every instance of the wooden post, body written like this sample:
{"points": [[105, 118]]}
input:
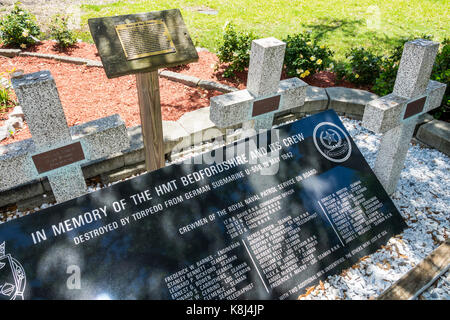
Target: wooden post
{"points": [[151, 121]]}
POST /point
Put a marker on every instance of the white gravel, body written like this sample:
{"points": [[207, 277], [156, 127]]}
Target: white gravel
{"points": [[422, 197]]}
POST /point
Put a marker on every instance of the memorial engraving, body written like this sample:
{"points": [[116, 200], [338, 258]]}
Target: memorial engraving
{"points": [[414, 107], [214, 229], [146, 38], [58, 158], [266, 105], [143, 42]]}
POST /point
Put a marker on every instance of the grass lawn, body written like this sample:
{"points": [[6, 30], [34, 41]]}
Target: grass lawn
{"points": [[340, 24]]}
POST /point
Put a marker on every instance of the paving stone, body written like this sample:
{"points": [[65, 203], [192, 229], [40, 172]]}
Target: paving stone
{"points": [[17, 112], [198, 125], [347, 100], [173, 135], [21, 192], [316, 100], [123, 173], [436, 134], [212, 85], [185, 79], [97, 167], [10, 53]]}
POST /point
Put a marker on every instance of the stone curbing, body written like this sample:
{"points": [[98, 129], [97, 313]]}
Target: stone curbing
{"points": [[436, 134]]}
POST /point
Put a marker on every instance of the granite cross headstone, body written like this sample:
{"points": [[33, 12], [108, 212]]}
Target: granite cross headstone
{"points": [[396, 114], [265, 94], [55, 154]]}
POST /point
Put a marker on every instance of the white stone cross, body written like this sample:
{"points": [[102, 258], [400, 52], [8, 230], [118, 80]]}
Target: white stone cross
{"points": [[396, 114], [265, 94], [54, 152]]}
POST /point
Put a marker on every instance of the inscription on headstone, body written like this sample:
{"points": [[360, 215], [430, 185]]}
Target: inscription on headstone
{"points": [[212, 231], [58, 158]]}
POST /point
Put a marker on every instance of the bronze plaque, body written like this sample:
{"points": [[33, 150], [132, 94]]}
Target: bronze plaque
{"points": [[57, 158], [266, 105], [144, 39], [414, 107], [142, 42]]}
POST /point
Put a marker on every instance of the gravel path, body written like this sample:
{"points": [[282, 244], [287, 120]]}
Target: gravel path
{"points": [[423, 198]]}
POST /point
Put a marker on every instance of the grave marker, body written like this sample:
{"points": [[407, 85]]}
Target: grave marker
{"points": [[212, 231], [55, 154], [396, 114], [265, 95], [141, 44]]}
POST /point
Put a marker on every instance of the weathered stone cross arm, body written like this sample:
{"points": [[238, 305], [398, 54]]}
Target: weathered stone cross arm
{"points": [[240, 106], [388, 112]]}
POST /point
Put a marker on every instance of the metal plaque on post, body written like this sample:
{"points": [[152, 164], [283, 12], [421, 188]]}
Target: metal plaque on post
{"points": [[142, 42]]}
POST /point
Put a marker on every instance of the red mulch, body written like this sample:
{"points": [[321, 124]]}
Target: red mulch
{"points": [[325, 79], [87, 94]]}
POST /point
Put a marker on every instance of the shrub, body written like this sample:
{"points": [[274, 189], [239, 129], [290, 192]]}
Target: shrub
{"points": [[441, 73], [61, 32], [19, 28], [4, 98], [384, 84], [235, 50], [304, 57], [363, 66]]}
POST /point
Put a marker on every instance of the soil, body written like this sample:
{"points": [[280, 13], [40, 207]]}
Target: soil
{"points": [[87, 94]]}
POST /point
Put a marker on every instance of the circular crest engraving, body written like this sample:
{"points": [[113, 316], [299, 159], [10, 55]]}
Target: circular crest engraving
{"points": [[332, 142], [12, 277]]}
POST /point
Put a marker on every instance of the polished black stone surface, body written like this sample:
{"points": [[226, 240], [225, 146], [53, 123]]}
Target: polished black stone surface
{"points": [[214, 231]]}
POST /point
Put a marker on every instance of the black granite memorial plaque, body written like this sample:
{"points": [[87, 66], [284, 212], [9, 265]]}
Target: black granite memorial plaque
{"points": [[220, 230]]}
